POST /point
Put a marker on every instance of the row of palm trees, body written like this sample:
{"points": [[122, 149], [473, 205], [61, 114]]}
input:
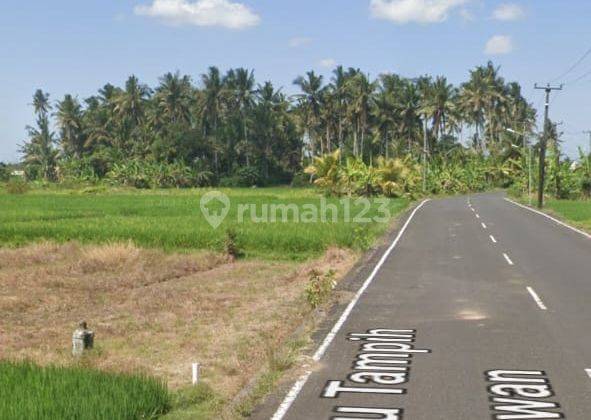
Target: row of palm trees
{"points": [[392, 114], [228, 121]]}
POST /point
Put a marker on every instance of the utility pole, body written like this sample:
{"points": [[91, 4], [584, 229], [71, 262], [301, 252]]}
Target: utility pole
{"points": [[425, 153], [543, 141]]}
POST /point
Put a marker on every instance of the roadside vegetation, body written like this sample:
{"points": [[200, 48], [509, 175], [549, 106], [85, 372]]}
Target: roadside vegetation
{"points": [[31, 392], [576, 212]]}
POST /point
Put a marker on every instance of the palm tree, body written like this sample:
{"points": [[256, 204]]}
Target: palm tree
{"points": [[69, 121], [473, 100], [440, 103], [39, 153], [130, 104], [241, 84], [339, 93], [362, 92], [41, 102], [310, 104], [409, 105], [174, 98], [211, 108]]}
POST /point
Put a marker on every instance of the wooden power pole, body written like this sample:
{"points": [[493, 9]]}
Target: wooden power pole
{"points": [[543, 142]]}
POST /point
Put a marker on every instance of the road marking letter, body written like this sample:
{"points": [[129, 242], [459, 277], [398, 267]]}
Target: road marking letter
{"points": [[384, 413], [526, 389]]}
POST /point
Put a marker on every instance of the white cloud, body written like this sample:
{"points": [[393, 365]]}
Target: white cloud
{"points": [[299, 41], [328, 62], [499, 45], [508, 11], [421, 11], [467, 15], [201, 13]]}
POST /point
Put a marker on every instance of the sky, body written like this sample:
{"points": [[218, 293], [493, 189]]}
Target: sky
{"points": [[73, 46]]}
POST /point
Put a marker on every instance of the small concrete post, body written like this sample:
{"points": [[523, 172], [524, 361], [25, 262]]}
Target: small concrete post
{"points": [[195, 373], [82, 339]]}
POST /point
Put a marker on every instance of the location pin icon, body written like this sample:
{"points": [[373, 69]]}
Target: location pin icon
{"points": [[217, 216]]}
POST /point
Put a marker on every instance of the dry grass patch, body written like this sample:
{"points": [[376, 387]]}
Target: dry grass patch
{"points": [[153, 311]]}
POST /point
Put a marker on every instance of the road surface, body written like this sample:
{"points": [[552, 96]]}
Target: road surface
{"points": [[481, 310]]}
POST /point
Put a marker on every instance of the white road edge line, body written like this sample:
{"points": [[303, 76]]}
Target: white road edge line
{"points": [[297, 387], [508, 259], [534, 295], [483, 225], [588, 371], [550, 217], [492, 238]]}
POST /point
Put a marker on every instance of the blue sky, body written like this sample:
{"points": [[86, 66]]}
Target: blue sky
{"points": [[73, 46]]}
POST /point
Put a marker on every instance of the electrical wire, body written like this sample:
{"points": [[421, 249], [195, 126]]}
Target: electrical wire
{"points": [[574, 66], [578, 79]]}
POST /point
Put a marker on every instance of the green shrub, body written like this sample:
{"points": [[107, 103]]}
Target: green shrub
{"points": [[320, 287], [231, 246], [229, 182], [33, 392], [17, 186], [301, 179], [4, 172], [248, 177]]}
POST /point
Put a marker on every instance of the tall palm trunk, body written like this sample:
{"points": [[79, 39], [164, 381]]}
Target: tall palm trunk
{"points": [[341, 140]]}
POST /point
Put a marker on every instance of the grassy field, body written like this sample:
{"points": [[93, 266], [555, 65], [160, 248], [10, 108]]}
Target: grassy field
{"points": [[172, 220], [31, 392], [577, 212]]}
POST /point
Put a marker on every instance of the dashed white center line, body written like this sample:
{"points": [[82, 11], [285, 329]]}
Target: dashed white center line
{"points": [[588, 372], [477, 216], [483, 226], [539, 302], [508, 259], [492, 238]]}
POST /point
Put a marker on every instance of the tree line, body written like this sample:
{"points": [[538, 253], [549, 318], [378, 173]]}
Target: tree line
{"points": [[227, 129]]}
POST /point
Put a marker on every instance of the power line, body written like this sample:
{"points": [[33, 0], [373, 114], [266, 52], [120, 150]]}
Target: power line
{"points": [[578, 79], [574, 66]]}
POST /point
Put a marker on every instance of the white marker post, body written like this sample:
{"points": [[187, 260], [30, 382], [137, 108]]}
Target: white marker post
{"points": [[195, 373]]}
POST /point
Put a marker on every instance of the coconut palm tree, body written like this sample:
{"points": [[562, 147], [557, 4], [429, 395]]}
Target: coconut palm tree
{"points": [[69, 121], [310, 101], [39, 152], [174, 98]]}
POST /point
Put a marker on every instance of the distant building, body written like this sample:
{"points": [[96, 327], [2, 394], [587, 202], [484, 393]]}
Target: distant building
{"points": [[18, 173]]}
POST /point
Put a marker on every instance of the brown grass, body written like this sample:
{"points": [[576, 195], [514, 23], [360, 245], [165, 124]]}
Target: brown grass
{"points": [[152, 311]]}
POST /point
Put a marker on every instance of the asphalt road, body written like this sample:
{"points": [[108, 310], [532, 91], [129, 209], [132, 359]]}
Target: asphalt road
{"points": [[481, 310]]}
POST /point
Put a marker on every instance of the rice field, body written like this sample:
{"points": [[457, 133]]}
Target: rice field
{"points": [[577, 212], [33, 392], [173, 220]]}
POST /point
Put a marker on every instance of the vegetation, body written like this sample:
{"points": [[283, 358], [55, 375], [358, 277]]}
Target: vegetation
{"points": [[231, 131], [319, 287], [576, 212], [172, 220], [33, 392]]}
